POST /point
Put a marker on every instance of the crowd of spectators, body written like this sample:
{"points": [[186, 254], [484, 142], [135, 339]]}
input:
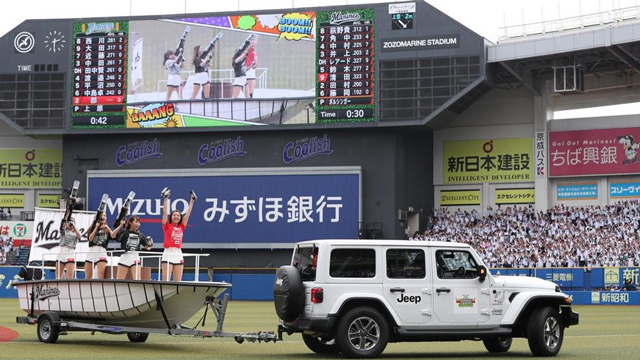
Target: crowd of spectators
{"points": [[520, 237], [6, 246]]}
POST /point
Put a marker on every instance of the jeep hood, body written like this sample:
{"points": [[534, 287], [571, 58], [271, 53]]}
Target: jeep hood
{"points": [[524, 282]]}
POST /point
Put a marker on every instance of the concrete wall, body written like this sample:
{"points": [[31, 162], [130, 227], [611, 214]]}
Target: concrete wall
{"points": [[396, 169], [499, 114], [496, 108]]}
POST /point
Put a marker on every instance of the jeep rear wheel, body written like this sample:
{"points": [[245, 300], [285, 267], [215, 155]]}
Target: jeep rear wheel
{"points": [[362, 333], [545, 332], [498, 344], [320, 346], [288, 293]]}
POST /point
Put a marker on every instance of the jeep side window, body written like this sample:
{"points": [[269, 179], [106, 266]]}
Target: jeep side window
{"points": [[352, 263], [305, 259], [455, 264], [405, 264]]}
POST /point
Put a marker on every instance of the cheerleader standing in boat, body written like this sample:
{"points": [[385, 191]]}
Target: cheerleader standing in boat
{"points": [[132, 241], [67, 258], [173, 227], [98, 243]]}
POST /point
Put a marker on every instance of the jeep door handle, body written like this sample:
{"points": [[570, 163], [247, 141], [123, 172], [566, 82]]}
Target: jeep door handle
{"points": [[396, 290], [443, 290]]}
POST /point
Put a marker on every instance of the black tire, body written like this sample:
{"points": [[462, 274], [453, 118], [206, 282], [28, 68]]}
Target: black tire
{"points": [[288, 293], [319, 346], [48, 328], [545, 332], [498, 344], [137, 337], [362, 333]]}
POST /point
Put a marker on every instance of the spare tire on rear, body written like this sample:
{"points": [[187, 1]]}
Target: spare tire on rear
{"points": [[288, 293]]}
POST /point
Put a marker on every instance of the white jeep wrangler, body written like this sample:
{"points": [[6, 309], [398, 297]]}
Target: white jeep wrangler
{"points": [[355, 296]]}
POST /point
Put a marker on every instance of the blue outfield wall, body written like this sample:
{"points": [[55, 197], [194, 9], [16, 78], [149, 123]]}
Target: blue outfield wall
{"points": [[580, 279], [604, 297], [585, 287], [9, 273]]}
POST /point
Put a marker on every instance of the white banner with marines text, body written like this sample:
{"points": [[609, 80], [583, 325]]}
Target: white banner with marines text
{"points": [[46, 236]]}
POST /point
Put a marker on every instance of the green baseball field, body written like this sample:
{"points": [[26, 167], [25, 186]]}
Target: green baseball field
{"points": [[605, 332]]}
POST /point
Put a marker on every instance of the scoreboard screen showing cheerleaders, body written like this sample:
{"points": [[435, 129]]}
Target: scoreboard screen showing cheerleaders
{"points": [[99, 74], [345, 66]]}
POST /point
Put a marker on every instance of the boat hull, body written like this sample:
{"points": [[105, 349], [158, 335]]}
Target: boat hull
{"points": [[118, 302]]}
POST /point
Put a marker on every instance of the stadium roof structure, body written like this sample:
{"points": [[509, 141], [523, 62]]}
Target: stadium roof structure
{"points": [[594, 44]]}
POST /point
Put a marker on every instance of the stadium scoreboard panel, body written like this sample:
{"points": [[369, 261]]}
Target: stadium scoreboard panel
{"points": [[345, 66], [99, 74], [343, 71]]}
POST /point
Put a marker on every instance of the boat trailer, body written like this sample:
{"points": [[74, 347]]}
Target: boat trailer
{"points": [[50, 325]]}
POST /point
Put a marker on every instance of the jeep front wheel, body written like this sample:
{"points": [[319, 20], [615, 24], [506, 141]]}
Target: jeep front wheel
{"points": [[320, 346], [498, 344], [362, 333], [545, 332]]}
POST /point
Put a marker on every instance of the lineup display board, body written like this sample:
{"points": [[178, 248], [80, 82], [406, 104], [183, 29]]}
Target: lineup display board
{"points": [[99, 74], [289, 68], [345, 66]]}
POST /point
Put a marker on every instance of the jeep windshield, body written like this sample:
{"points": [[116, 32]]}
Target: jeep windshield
{"points": [[305, 259]]}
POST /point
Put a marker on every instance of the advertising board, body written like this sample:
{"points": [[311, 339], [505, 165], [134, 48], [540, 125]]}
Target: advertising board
{"points": [[624, 190], [259, 208], [491, 160], [515, 196], [459, 197], [594, 152], [30, 168], [577, 191]]}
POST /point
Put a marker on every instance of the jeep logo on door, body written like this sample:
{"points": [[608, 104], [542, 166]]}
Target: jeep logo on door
{"points": [[409, 299]]}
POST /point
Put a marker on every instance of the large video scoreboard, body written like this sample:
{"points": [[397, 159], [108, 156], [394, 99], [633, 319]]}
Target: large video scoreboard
{"points": [[283, 68], [363, 65]]}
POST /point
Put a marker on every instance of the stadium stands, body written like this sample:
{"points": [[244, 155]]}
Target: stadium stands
{"points": [[520, 237]]}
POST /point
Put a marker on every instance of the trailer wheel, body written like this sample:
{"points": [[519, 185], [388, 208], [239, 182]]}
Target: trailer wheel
{"points": [[288, 293], [137, 337], [48, 328]]}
